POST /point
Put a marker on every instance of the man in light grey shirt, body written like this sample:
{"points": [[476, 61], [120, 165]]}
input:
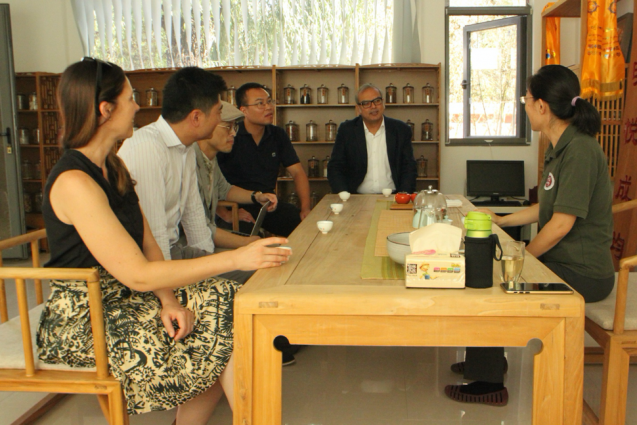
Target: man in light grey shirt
{"points": [[213, 186], [161, 160]]}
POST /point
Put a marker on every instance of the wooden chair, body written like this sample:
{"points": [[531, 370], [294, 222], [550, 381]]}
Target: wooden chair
{"points": [[27, 374], [613, 324], [235, 212]]}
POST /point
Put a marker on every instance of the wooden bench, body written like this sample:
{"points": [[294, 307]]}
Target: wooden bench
{"points": [[20, 370]]}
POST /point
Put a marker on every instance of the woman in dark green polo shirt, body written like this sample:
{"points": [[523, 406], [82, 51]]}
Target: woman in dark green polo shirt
{"points": [[574, 214]]}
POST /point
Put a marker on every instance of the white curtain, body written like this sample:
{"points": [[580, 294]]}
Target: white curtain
{"points": [[208, 33]]}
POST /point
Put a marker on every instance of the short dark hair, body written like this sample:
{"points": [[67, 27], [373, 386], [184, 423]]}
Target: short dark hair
{"points": [[242, 98], [188, 89], [560, 88], [365, 87]]}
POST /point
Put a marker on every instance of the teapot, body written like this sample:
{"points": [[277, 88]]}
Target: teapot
{"points": [[425, 211]]}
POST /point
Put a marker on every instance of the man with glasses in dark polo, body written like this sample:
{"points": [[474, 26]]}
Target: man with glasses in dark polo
{"points": [[253, 164], [372, 152]]}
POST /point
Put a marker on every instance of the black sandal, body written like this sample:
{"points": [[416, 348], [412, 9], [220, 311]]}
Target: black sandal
{"points": [[495, 398]]}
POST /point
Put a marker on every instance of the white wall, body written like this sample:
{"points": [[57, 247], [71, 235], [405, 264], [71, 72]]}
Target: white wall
{"points": [[45, 37]]}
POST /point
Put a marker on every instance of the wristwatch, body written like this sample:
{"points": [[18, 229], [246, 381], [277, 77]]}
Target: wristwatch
{"points": [[254, 198]]}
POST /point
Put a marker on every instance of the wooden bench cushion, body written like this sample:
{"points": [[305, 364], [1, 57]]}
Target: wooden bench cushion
{"points": [[603, 312], [11, 351]]}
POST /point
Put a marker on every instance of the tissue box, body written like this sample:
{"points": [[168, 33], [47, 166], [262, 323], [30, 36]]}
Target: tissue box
{"points": [[434, 271]]}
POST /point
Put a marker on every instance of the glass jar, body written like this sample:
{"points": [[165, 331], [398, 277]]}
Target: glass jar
{"points": [[306, 95], [37, 202], [343, 94], [137, 96], [413, 129], [33, 101], [427, 93], [421, 164], [292, 129], [152, 97], [27, 200], [314, 199], [23, 136], [313, 167], [231, 96], [311, 132], [390, 93], [321, 94], [294, 200], [36, 135], [37, 170], [408, 94], [26, 170], [330, 131], [326, 163], [289, 95], [427, 130], [22, 101]]}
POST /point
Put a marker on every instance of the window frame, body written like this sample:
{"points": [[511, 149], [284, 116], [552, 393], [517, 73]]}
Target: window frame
{"points": [[524, 15]]}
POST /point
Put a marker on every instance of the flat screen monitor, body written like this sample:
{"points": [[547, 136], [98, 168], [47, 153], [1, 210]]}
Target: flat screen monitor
{"points": [[495, 179]]}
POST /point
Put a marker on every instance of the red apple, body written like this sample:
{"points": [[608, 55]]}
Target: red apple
{"points": [[402, 198]]}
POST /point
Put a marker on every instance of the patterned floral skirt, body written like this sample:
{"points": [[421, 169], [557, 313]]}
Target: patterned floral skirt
{"points": [[156, 372]]}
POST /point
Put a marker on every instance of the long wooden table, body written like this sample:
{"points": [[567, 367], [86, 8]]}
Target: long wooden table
{"points": [[319, 298]]}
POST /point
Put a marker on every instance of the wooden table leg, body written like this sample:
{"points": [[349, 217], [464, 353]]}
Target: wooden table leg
{"points": [[574, 369], [266, 395], [548, 379], [614, 384], [243, 357]]}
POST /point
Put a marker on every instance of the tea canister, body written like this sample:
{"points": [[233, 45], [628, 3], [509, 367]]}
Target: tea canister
{"points": [[321, 94], [136, 96], [314, 199], [36, 135], [427, 130], [326, 163], [330, 131], [412, 126], [427, 93], [289, 95], [311, 132], [152, 97], [313, 167], [408, 94], [231, 96], [390, 93], [37, 202], [33, 101], [293, 199], [27, 172], [23, 136], [306, 95], [37, 170], [343, 94], [22, 101], [421, 164], [292, 129], [28, 202]]}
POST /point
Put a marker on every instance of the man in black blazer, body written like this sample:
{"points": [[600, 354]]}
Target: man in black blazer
{"points": [[372, 152]]}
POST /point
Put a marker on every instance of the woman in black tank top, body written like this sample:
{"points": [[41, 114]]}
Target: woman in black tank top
{"points": [[93, 219]]}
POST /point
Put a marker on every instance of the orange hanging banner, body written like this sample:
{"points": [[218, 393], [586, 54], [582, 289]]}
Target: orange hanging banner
{"points": [[625, 228], [552, 53], [603, 63]]}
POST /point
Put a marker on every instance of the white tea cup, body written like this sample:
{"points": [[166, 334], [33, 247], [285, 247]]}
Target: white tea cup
{"points": [[336, 208], [344, 195], [286, 248], [386, 192], [324, 226]]}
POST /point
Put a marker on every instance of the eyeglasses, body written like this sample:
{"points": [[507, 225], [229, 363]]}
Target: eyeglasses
{"points": [[98, 79], [366, 104], [234, 128], [261, 104], [523, 99]]}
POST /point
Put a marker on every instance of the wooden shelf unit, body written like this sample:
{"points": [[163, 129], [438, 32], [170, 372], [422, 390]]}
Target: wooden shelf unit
{"points": [[45, 152], [332, 77]]}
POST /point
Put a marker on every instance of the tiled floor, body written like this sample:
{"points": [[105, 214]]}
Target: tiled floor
{"points": [[357, 385]]}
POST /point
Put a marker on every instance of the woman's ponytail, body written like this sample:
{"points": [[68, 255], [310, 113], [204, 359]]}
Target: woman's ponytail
{"points": [[585, 117]]}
